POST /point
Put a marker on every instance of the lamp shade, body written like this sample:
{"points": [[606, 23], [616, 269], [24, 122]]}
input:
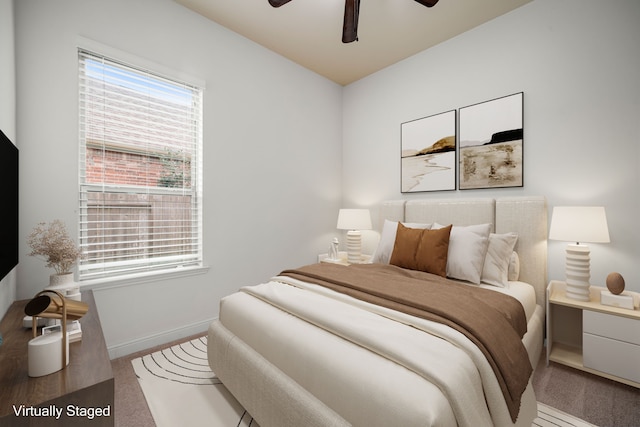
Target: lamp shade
{"points": [[51, 305], [587, 224], [354, 219]]}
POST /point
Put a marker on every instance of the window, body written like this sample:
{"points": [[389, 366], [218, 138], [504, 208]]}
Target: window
{"points": [[140, 173]]}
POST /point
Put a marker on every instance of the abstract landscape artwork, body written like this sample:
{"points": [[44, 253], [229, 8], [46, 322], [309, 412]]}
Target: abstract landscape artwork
{"points": [[428, 153], [491, 139]]}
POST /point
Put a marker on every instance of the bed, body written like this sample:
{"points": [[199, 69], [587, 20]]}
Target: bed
{"points": [[305, 348]]}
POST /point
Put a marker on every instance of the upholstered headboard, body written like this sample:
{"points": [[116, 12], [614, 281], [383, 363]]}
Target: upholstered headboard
{"points": [[526, 216]]}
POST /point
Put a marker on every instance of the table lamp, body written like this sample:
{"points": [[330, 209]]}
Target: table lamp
{"points": [[43, 356], [354, 220], [579, 224]]}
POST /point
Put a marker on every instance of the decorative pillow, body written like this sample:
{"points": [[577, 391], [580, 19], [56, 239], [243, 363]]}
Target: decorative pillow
{"points": [[405, 247], [388, 239], [496, 263], [467, 250], [421, 249], [514, 267]]}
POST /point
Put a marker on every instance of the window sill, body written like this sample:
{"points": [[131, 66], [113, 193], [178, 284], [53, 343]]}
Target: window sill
{"points": [[136, 279]]}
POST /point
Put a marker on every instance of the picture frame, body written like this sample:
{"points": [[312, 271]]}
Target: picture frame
{"points": [[428, 153], [491, 140]]}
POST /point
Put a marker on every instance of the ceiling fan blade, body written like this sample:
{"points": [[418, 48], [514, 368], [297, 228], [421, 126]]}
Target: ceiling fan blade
{"points": [[350, 26], [278, 3], [428, 3]]}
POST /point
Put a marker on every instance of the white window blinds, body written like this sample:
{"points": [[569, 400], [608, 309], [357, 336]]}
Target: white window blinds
{"points": [[140, 171]]}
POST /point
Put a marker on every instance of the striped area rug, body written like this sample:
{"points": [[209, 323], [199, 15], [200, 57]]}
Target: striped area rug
{"points": [[180, 389], [550, 417]]}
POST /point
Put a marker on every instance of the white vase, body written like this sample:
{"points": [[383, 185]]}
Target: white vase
{"points": [[60, 281], [65, 284]]}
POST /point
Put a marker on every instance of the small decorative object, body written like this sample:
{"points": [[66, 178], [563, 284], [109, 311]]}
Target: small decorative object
{"points": [[620, 301], [52, 242], [49, 353], [615, 283], [74, 330], [614, 296], [333, 249], [66, 284]]}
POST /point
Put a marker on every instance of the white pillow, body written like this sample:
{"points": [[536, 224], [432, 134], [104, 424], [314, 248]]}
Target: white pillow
{"points": [[382, 255], [496, 263], [514, 267], [467, 250]]}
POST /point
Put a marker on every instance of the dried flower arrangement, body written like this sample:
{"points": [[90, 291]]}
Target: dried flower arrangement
{"points": [[52, 242]]}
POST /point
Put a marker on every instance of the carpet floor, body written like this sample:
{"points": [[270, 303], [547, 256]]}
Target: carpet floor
{"points": [[560, 390], [598, 400]]}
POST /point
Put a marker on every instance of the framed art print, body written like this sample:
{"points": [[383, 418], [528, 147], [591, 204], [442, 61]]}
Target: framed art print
{"points": [[491, 139], [428, 153]]}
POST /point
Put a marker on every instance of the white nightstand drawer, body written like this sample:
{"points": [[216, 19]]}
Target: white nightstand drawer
{"points": [[615, 327], [611, 356]]}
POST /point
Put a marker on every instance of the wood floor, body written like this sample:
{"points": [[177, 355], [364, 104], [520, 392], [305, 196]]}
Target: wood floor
{"points": [[597, 400]]}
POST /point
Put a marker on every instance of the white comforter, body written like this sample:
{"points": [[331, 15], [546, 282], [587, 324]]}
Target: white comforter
{"points": [[464, 381]]}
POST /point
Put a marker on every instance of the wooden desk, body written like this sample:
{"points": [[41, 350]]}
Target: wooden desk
{"points": [[83, 388]]}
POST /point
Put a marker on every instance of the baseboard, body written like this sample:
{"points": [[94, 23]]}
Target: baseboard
{"points": [[164, 337]]}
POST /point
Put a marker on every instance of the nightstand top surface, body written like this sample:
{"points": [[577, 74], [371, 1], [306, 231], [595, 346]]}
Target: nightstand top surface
{"points": [[556, 293]]}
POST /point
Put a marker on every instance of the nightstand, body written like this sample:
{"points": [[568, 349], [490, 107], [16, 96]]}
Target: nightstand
{"points": [[342, 258], [586, 335]]}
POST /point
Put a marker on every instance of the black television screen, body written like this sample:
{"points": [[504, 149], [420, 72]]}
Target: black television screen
{"points": [[9, 213]]}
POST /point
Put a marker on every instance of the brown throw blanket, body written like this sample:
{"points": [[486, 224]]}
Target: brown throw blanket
{"points": [[495, 322]]}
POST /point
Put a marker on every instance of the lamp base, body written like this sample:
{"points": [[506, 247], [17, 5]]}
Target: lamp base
{"points": [[578, 272], [44, 355], [354, 247]]}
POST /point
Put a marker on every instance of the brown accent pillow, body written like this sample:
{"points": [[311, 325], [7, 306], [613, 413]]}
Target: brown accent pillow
{"points": [[405, 246], [424, 250]]}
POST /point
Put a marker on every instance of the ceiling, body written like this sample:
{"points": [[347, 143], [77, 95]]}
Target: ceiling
{"points": [[309, 32]]}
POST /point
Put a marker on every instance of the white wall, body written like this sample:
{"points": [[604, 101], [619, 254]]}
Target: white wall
{"points": [[7, 119], [276, 170], [576, 61], [272, 154]]}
